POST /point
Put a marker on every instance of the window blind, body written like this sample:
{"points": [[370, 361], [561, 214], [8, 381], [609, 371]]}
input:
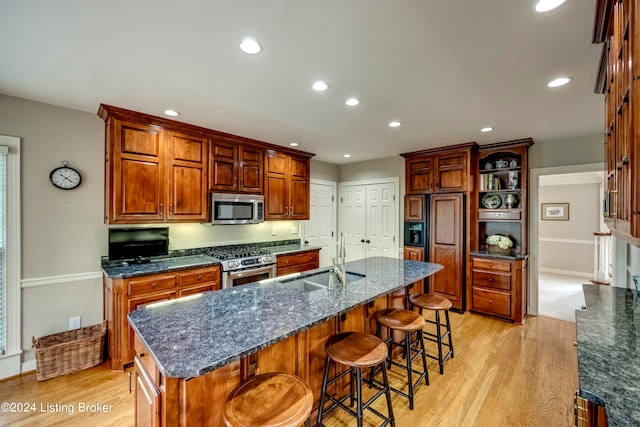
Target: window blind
{"points": [[3, 233]]}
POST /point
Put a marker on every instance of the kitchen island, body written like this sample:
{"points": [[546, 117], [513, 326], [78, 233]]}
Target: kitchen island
{"points": [[191, 352], [608, 333]]}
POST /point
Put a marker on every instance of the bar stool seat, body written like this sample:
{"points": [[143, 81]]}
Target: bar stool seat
{"points": [[437, 304], [357, 351], [409, 322], [269, 400]]}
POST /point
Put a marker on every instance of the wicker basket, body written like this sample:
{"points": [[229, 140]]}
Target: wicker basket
{"points": [[69, 351], [495, 249]]}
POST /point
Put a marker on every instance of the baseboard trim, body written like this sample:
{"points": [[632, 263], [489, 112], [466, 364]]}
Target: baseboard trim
{"points": [[566, 272], [65, 278]]}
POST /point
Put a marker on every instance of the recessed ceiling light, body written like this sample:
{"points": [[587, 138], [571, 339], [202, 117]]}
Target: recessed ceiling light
{"points": [[352, 102], [293, 144], [394, 124], [547, 5], [347, 155], [250, 46], [172, 113], [487, 129], [560, 81], [320, 86]]}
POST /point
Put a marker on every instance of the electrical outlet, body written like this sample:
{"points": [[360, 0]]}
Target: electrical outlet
{"points": [[274, 231], [294, 230], [74, 322]]}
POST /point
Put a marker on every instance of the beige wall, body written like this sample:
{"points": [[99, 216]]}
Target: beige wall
{"points": [[568, 246], [324, 171], [579, 150], [63, 234]]}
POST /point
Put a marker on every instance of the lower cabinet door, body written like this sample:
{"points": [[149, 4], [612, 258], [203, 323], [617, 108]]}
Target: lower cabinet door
{"points": [[492, 302], [147, 398]]}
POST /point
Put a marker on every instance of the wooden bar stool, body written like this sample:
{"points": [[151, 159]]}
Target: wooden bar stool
{"points": [[269, 400], [357, 351], [409, 322], [437, 304]]}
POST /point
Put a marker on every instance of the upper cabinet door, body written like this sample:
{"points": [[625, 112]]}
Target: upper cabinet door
{"points": [[223, 174], [250, 170], [452, 172], [299, 188], [135, 173], [287, 186], [187, 195], [419, 175]]}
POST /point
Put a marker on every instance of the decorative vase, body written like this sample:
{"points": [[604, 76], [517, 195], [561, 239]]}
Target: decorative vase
{"points": [[510, 200]]}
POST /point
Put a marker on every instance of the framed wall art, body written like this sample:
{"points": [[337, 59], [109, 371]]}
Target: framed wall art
{"points": [[555, 211]]}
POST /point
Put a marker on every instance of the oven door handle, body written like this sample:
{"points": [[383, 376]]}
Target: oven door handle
{"points": [[251, 271]]}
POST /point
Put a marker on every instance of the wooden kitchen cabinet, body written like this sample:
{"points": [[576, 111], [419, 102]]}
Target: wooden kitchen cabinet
{"points": [[122, 296], [152, 173], [499, 287], [298, 262], [235, 168], [147, 397], [440, 170], [414, 207], [286, 186], [617, 26], [160, 170]]}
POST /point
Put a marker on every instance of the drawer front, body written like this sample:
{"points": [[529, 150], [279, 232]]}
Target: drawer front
{"points": [[197, 289], [491, 214], [491, 264], [151, 284], [492, 302], [293, 260], [201, 275], [492, 280]]}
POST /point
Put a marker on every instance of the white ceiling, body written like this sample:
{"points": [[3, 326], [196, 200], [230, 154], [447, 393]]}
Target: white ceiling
{"points": [[444, 68]]}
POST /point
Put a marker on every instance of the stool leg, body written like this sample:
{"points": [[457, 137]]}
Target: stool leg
{"points": [[407, 347], [325, 378], [439, 340], [424, 356], [351, 381], [446, 315], [388, 394], [359, 392]]}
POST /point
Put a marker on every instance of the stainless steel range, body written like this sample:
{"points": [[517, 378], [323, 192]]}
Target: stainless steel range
{"points": [[242, 265]]}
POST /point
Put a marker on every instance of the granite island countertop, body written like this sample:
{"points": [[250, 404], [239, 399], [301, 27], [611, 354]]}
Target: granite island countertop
{"points": [[608, 337], [191, 336]]}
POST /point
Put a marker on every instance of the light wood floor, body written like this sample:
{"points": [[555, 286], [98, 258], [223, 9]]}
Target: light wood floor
{"points": [[502, 375]]}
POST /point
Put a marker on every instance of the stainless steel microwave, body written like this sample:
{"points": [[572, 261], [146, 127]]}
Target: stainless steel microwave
{"points": [[236, 208]]}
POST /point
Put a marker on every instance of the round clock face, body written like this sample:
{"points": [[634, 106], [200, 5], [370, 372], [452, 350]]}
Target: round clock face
{"points": [[65, 178]]}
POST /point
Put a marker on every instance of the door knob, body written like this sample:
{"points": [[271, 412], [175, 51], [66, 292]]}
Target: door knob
{"points": [[361, 240], [368, 241]]}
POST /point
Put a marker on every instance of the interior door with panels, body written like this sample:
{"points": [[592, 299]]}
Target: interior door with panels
{"points": [[320, 229], [381, 222], [352, 220]]}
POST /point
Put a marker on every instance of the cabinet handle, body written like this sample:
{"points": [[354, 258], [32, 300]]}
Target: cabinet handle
{"points": [[129, 382], [160, 209], [286, 210], [171, 208], [291, 210]]}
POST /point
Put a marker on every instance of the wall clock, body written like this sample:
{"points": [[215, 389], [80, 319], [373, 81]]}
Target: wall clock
{"points": [[65, 177]]}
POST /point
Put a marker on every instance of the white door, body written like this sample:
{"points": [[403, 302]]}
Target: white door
{"points": [[352, 219], [320, 230], [368, 219], [381, 225]]}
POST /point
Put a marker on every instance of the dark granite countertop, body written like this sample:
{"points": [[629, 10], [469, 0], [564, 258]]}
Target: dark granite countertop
{"points": [[124, 269], [191, 336], [487, 254], [182, 259], [608, 336]]}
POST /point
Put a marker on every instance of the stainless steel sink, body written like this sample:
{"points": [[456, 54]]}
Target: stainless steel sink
{"points": [[318, 281]]}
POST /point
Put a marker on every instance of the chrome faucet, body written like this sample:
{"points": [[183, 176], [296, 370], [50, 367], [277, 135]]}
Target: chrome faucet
{"points": [[338, 267]]}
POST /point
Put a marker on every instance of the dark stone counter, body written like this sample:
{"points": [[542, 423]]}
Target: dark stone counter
{"points": [[191, 336], [608, 336]]}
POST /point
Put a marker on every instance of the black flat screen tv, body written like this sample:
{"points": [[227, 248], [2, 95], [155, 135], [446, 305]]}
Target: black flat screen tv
{"points": [[136, 243]]}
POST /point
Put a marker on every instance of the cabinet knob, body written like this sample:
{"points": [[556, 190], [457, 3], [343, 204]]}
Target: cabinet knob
{"points": [[154, 285], [491, 279], [575, 344], [199, 277], [490, 301]]}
